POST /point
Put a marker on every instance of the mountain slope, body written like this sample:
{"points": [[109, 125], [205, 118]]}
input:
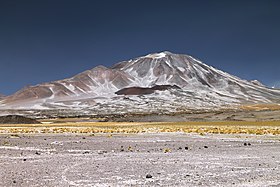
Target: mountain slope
{"points": [[1, 96], [98, 81], [109, 89], [190, 74]]}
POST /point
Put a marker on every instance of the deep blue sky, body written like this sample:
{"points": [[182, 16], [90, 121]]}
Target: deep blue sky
{"points": [[45, 40]]}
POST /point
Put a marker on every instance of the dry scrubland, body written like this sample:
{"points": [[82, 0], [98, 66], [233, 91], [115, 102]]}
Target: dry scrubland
{"points": [[221, 127]]}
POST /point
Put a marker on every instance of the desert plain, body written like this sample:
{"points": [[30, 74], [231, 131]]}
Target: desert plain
{"points": [[63, 152]]}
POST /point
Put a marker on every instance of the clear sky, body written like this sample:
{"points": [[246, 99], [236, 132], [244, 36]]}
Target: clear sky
{"points": [[46, 40]]}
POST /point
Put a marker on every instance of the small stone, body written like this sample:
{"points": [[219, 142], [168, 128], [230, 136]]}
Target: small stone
{"points": [[24, 159], [100, 152], [245, 144], [186, 148], [180, 148], [14, 181], [149, 176], [84, 137], [37, 153], [249, 144], [205, 147], [167, 150]]}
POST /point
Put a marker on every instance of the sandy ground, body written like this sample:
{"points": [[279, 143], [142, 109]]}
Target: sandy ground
{"points": [[172, 159]]}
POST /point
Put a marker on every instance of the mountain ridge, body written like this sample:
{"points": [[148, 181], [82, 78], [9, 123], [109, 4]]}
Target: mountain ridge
{"points": [[201, 86]]}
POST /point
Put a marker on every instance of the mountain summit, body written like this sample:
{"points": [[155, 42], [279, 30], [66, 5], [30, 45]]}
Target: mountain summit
{"points": [[158, 81]]}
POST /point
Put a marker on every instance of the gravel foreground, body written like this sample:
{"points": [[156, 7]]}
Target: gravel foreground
{"points": [[163, 159]]}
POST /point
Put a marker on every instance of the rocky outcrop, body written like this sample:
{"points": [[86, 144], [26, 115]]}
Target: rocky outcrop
{"points": [[145, 91], [15, 119]]}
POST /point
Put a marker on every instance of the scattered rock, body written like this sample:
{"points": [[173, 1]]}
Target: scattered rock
{"points": [[37, 153], [24, 159], [186, 148], [245, 144], [101, 151], [167, 150], [249, 144], [130, 148], [180, 148], [86, 152], [205, 146], [148, 176]]}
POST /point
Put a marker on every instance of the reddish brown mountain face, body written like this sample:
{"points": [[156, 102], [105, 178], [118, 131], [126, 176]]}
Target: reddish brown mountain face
{"points": [[90, 83], [146, 75]]}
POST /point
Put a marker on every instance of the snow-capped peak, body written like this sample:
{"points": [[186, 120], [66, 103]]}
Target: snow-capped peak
{"points": [[156, 55], [196, 80]]}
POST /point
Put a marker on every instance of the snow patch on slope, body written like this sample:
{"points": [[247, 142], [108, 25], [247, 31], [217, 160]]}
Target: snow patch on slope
{"points": [[156, 55]]}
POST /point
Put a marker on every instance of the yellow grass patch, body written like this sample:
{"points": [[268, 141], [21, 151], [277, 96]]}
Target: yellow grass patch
{"points": [[221, 127]]}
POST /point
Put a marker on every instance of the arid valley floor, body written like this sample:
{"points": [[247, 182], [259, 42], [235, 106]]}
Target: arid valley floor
{"points": [[141, 154]]}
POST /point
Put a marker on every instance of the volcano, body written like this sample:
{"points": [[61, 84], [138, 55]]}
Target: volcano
{"points": [[156, 82]]}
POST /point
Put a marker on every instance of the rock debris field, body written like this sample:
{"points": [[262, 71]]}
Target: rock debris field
{"points": [[159, 159]]}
